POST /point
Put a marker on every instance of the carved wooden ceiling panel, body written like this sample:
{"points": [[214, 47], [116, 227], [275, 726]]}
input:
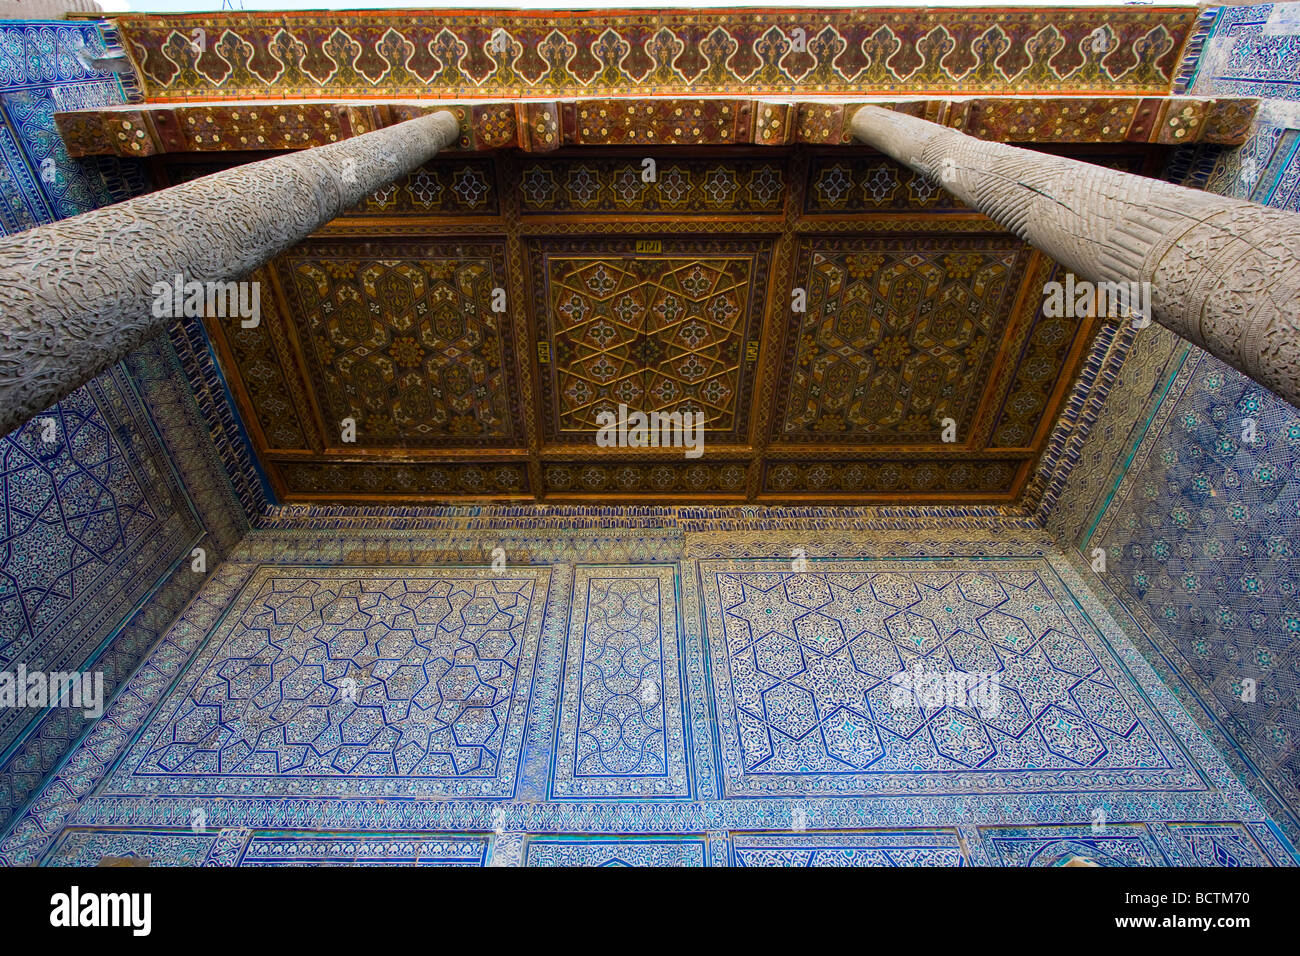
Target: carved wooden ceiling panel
{"points": [[657, 332], [400, 337], [848, 331]]}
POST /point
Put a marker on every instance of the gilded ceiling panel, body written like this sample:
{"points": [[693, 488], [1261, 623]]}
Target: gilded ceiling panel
{"points": [[664, 332], [402, 338], [476, 319], [895, 339]]}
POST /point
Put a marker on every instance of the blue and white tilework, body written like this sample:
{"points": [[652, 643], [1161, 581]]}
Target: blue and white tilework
{"points": [[481, 695], [41, 73], [106, 492], [622, 724], [1200, 516]]}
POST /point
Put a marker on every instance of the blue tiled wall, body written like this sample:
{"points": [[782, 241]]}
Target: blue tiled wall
{"points": [[1200, 526], [100, 521]]}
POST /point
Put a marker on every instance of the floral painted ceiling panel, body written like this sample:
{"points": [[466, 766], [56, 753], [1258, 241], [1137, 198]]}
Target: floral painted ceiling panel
{"points": [[406, 345], [846, 332], [512, 53], [895, 340]]}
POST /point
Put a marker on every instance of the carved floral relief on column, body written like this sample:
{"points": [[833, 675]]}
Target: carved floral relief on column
{"points": [[1223, 273], [78, 295]]}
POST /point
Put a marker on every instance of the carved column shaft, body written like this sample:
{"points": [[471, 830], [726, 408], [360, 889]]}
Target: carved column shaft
{"points": [[1223, 273], [78, 295]]}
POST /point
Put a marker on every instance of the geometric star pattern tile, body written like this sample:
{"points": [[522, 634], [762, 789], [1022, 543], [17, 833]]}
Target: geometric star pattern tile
{"points": [[802, 668], [651, 710], [330, 681], [1201, 536], [76, 508]]}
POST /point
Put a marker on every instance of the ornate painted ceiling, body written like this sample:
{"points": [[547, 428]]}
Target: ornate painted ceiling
{"points": [[679, 294], [540, 53], [825, 311]]}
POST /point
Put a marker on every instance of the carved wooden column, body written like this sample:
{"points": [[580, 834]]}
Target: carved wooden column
{"points": [[1224, 273], [78, 295]]}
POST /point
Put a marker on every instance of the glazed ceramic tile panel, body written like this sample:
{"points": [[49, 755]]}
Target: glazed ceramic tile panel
{"points": [[802, 669], [93, 516], [723, 710], [365, 850], [107, 491], [92, 523], [625, 736], [1199, 537], [1192, 489], [99, 528], [552, 851], [40, 73], [1135, 845], [1252, 50], [243, 848], [881, 848], [438, 669]]}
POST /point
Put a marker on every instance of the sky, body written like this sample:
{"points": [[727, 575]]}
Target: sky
{"points": [[183, 6]]}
